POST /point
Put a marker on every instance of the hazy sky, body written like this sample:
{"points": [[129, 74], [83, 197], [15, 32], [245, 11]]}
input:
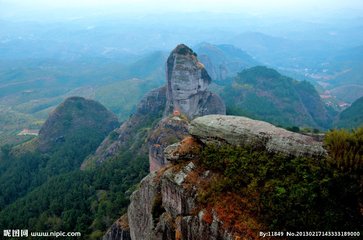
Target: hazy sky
{"points": [[52, 8]]}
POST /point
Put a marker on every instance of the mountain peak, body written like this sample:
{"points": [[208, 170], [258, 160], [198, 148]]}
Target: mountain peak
{"points": [[74, 115], [187, 83], [183, 50]]}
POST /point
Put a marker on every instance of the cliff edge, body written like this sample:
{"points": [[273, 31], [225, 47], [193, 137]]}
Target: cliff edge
{"points": [[176, 201]]}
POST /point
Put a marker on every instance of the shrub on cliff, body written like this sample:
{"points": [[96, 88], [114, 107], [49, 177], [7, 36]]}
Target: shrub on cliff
{"points": [[345, 149], [285, 193]]}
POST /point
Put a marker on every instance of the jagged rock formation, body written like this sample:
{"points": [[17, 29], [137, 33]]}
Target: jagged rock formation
{"points": [[187, 83], [186, 91], [149, 109], [168, 131], [187, 95], [163, 208], [242, 131], [166, 204], [119, 230], [75, 116]]}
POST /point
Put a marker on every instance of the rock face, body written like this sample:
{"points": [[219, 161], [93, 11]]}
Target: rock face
{"points": [[163, 208], [186, 91], [166, 205], [168, 131], [243, 131], [119, 230], [187, 83], [150, 108], [186, 95], [141, 206], [75, 116]]}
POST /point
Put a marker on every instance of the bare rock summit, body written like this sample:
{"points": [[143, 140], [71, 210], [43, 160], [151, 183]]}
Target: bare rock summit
{"points": [[187, 86]]}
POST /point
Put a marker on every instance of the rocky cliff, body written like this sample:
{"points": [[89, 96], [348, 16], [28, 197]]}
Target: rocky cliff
{"points": [[168, 203], [185, 96], [120, 230], [166, 208], [168, 131], [187, 83], [242, 131]]}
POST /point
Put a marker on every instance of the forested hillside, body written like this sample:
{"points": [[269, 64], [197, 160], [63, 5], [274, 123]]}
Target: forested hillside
{"points": [[263, 93]]}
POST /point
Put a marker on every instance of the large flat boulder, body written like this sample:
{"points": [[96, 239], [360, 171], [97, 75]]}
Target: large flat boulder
{"points": [[242, 131]]}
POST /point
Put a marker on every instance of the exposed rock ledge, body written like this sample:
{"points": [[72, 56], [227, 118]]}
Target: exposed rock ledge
{"points": [[166, 207], [242, 131]]}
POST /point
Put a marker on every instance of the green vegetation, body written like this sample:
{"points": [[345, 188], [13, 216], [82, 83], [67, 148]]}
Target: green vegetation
{"points": [[345, 149], [87, 201], [352, 117], [22, 172], [47, 191], [263, 93], [12, 122], [66, 198], [284, 193], [31, 89], [122, 97]]}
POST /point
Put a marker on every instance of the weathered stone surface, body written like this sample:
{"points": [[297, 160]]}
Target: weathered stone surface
{"points": [[175, 199], [242, 131], [176, 217], [165, 228], [168, 131], [194, 228], [119, 230], [187, 83], [141, 206], [187, 94]]}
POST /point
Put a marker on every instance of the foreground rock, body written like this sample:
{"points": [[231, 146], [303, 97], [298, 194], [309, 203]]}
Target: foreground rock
{"points": [[242, 131], [187, 83], [168, 131], [163, 208], [167, 204]]}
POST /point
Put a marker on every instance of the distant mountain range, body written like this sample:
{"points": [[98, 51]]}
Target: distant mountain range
{"points": [[223, 61], [337, 70], [79, 173], [345, 74], [34, 87]]}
